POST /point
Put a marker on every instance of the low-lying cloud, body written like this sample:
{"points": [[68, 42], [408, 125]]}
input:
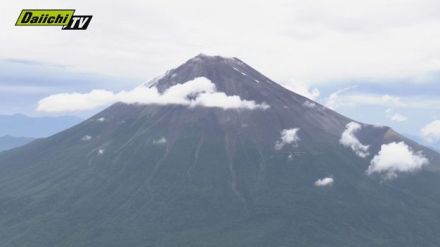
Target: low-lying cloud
{"points": [[394, 158], [431, 132], [324, 182], [348, 139], [288, 137], [198, 92]]}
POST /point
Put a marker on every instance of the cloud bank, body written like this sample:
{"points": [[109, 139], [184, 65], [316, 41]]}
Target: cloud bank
{"points": [[198, 92], [324, 182], [288, 136], [431, 132], [394, 158], [348, 139]]}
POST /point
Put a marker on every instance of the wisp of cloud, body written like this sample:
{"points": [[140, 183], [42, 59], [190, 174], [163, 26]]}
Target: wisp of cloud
{"points": [[348, 139]]}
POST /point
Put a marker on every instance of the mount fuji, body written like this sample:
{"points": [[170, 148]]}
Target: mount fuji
{"points": [[241, 161]]}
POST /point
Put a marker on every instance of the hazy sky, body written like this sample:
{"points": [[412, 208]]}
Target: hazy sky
{"points": [[377, 61]]}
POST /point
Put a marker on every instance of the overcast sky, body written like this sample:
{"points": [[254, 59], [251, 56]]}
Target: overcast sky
{"points": [[376, 61]]}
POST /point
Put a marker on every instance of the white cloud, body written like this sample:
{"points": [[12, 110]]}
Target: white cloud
{"points": [[348, 139], [288, 136], [431, 132], [302, 89], [395, 117], [160, 141], [324, 182], [396, 157], [220, 99], [65, 102], [201, 90], [398, 118]]}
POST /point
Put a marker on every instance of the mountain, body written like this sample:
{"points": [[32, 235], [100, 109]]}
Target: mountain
{"points": [[9, 142], [197, 175], [22, 125]]}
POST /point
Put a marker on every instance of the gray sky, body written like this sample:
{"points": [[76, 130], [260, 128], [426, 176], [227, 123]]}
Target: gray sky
{"points": [[316, 41], [377, 61]]}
